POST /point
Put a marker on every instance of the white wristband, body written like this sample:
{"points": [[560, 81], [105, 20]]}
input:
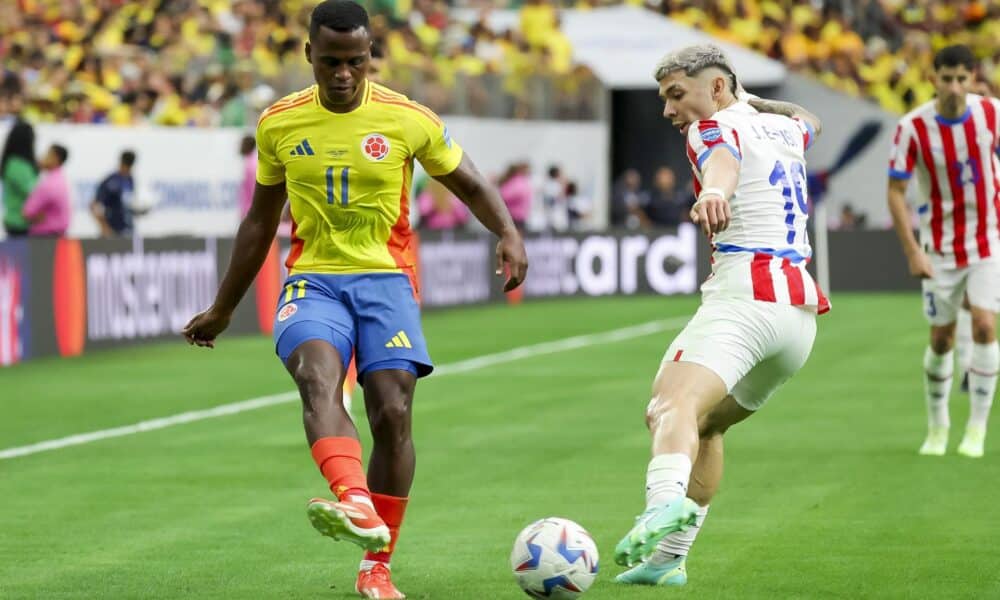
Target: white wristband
{"points": [[711, 192]]}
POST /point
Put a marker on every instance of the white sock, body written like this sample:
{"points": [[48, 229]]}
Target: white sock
{"points": [[938, 369], [678, 543], [963, 339], [667, 478], [982, 382], [368, 565]]}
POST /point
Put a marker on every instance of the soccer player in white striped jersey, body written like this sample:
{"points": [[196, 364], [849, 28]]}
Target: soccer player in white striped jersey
{"points": [[951, 143], [757, 321]]}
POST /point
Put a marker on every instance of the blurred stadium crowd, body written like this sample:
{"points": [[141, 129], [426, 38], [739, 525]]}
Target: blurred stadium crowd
{"points": [[219, 62], [879, 49]]}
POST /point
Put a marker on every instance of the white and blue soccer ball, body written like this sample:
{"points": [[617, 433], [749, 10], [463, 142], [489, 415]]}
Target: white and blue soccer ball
{"points": [[554, 558]]}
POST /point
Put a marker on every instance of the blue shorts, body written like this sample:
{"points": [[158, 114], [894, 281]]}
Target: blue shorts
{"points": [[372, 315]]}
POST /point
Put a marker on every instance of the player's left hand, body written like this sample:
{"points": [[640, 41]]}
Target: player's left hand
{"points": [[204, 327], [712, 213], [512, 258]]}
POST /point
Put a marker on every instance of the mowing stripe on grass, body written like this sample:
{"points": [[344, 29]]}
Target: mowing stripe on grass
{"points": [[462, 366]]}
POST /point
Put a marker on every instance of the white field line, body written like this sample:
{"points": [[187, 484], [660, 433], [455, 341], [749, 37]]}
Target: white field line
{"points": [[462, 366]]}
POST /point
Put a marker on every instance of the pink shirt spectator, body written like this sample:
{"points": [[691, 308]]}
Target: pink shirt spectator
{"points": [[432, 217], [50, 201], [246, 186], [516, 193]]}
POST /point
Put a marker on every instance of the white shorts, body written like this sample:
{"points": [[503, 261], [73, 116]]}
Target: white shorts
{"points": [[753, 346], [944, 292]]}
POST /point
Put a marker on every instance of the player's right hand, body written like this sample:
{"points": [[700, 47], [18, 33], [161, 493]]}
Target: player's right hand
{"points": [[920, 265], [512, 259], [205, 327], [712, 213]]}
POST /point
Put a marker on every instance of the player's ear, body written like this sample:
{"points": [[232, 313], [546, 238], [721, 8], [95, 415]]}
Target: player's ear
{"points": [[718, 86], [309, 53]]}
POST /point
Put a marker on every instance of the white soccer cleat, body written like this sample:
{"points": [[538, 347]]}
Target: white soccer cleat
{"points": [[973, 442], [936, 443]]}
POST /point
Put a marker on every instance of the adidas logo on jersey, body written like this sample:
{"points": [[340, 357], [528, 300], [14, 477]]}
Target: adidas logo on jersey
{"points": [[399, 341], [303, 149]]}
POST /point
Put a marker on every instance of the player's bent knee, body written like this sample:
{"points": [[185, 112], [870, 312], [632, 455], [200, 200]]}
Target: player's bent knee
{"points": [[664, 409], [984, 330], [390, 422], [318, 382], [942, 341]]}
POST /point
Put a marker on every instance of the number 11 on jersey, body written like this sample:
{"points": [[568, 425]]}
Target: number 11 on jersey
{"points": [[780, 176], [330, 179]]}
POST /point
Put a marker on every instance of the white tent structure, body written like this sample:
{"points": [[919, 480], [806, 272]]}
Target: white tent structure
{"points": [[622, 44]]}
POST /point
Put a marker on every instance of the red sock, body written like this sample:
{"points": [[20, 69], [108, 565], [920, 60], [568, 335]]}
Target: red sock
{"points": [[391, 509], [339, 459]]}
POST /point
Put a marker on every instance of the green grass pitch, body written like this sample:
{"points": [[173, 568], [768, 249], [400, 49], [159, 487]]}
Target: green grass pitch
{"points": [[824, 495]]}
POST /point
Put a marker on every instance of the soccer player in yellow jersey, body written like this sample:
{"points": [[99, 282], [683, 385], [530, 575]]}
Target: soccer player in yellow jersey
{"points": [[342, 151]]}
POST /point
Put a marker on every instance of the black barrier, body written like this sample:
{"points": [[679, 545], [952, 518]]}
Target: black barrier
{"points": [[65, 297]]}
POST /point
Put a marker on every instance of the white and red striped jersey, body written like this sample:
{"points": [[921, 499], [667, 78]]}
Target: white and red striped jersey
{"points": [[764, 251], [959, 175]]}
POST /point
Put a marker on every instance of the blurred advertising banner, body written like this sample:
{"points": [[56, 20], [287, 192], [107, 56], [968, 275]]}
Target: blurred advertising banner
{"points": [[461, 270], [64, 297], [187, 181]]}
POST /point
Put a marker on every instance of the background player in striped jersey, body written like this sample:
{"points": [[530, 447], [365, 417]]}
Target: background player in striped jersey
{"points": [[951, 143], [342, 150], [756, 325]]}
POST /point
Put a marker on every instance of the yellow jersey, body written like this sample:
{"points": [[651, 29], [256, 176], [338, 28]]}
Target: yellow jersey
{"points": [[348, 177]]}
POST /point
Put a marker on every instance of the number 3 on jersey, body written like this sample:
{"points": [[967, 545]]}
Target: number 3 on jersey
{"points": [[797, 182], [330, 179]]}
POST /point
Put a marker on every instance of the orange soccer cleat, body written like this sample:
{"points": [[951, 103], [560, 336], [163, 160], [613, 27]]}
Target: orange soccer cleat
{"points": [[377, 583], [352, 521]]}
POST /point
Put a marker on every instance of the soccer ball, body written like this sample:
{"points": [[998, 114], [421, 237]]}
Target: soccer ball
{"points": [[554, 558]]}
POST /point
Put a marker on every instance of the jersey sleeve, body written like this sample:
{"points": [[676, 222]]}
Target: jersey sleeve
{"points": [[903, 155], [270, 171], [808, 133], [995, 104], [432, 144], [704, 137], [102, 195]]}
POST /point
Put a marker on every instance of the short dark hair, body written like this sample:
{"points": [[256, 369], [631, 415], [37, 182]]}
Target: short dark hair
{"points": [[338, 15], [247, 144], [955, 56], [128, 158], [61, 153], [10, 85]]}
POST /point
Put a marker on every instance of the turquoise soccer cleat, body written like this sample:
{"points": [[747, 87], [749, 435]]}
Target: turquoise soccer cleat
{"points": [[652, 526], [670, 573]]}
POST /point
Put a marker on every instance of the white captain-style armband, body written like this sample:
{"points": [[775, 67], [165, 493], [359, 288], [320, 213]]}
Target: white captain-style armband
{"points": [[710, 192]]}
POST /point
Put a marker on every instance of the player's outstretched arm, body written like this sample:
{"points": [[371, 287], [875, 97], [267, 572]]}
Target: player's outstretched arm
{"points": [[253, 241], [920, 265], [787, 109], [484, 201]]}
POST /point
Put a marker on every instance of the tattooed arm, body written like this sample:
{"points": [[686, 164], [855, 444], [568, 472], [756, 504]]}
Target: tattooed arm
{"points": [[787, 109]]}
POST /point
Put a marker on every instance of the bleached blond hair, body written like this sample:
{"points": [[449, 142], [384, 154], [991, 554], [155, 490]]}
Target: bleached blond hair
{"points": [[693, 60]]}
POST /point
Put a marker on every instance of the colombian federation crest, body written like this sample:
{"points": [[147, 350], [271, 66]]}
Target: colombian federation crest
{"points": [[375, 146], [287, 311]]}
